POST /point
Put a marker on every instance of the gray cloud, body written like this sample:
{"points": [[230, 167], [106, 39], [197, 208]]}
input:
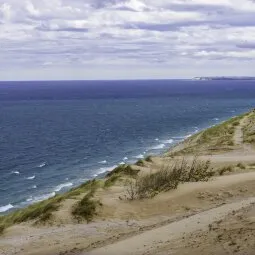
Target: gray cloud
{"points": [[125, 33]]}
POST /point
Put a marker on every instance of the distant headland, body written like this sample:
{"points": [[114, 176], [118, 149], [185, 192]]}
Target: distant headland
{"points": [[221, 78]]}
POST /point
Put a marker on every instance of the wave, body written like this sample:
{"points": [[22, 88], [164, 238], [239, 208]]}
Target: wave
{"points": [[179, 137], [15, 172], [42, 165], [159, 147], [103, 162], [103, 170], [169, 141], [31, 177], [62, 186], [139, 156], [43, 197], [6, 208]]}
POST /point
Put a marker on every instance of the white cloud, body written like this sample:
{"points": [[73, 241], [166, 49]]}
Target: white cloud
{"points": [[141, 35]]}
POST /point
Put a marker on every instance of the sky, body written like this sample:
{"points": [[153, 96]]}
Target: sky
{"points": [[126, 39]]}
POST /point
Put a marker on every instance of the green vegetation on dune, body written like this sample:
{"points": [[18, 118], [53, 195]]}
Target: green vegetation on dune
{"points": [[43, 211], [87, 206], [249, 129], [216, 138]]}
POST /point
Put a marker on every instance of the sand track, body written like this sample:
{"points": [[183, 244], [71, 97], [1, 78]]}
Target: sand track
{"points": [[150, 241]]}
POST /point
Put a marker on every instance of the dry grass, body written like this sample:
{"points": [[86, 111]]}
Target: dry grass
{"points": [[225, 169], [168, 178], [249, 129], [214, 139], [123, 170]]}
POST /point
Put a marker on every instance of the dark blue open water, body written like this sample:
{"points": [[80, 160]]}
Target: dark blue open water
{"points": [[55, 135]]}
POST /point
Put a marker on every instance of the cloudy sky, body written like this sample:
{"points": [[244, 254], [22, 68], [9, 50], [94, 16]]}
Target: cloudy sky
{"points": [[125, 39]]}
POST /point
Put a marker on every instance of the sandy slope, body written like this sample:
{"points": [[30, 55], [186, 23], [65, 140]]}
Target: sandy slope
{"points": [[151, 241]]}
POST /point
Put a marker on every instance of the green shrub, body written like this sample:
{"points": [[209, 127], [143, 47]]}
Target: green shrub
{"points": [[140, 162], [148, 159], [86, 208]]}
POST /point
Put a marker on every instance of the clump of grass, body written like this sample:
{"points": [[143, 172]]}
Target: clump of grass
{"points": [[111, 180], [2, 228], [85, 208], [124, 170], [140, 162], [249, 129], [148, 159], [225, 169], [241, 165], [168, 178], [83, 188]]}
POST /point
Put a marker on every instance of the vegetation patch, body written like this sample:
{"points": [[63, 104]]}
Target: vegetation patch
{"points": [[225, 169], [214, 139], [168, 178], [112, 180], [41, 212], [249, 129], [148, 159], [123, 170], [86, 207], [241, 165], [140, 162]]}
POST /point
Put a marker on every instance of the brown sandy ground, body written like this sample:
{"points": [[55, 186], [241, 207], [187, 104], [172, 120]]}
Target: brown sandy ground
{"points": [[235, 234], [118, 219]]}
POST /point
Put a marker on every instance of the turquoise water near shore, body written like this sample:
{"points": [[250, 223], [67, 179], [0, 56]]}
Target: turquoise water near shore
{"points": [[56, 135]]}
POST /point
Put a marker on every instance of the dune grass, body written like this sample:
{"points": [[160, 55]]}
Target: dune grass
{"points": [[123, 170], [86, 207], [216, 138], [249, 129], [42, 212], [168, 178]]}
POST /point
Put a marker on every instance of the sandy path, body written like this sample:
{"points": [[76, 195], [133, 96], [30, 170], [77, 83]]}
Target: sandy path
{"points": [[150, 241]]}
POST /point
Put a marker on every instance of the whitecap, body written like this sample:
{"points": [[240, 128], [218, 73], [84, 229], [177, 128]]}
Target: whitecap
{"points": [[122, 163], [34, 187], [169, 141], [187, 136], [103, 162], [42, 165], [179, 137], [6, 208], [103, 170], [139, 156], [159, 147], [29, 199], [216, 119], [156, 139], [31, 178], [43, 197], [126, 158], [16, 172], [62, 186]]}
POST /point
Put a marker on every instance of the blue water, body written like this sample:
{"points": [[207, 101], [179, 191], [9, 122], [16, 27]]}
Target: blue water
{"points": [[56, 135]]}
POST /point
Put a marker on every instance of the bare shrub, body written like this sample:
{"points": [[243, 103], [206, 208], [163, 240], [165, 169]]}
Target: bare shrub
{"points": [[168, 178]]}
